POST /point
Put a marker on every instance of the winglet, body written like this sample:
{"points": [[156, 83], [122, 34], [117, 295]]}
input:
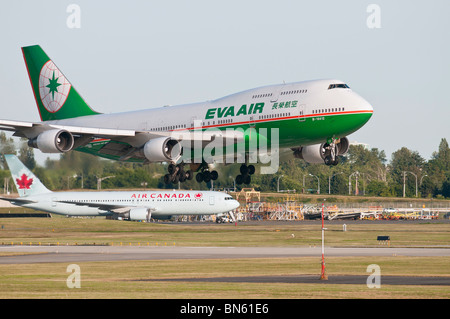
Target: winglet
{"points": [[26, 182]]}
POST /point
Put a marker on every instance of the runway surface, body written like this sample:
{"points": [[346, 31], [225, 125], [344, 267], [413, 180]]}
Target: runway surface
{"points": [[64, 254], [76, 254], [314, 279]]}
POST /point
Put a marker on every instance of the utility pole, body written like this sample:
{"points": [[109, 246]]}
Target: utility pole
{"points": [[404, 182]]}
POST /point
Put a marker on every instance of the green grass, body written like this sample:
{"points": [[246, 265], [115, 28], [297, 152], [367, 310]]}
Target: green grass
{"points": [[130, 279], [100, 231], [125, 279]]}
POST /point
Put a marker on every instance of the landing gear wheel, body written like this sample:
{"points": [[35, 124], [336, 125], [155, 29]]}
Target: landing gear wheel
{"points": [[206, 176], [214, 175], [189, 175], [171, 168], [244, 169], [336, 161], [167, 178], [199, 177], [182, 176], [328, 160]]}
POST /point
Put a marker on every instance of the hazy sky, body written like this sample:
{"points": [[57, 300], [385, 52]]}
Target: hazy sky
{"points": [[130, 55]]}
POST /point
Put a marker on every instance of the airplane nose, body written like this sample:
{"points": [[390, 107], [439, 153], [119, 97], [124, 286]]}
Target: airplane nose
{"points": [[235, 204], [362, 104]]}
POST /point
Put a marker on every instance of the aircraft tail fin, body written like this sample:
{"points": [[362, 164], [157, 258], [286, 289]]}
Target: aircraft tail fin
{"points": [[55, 96], [26, 182]]}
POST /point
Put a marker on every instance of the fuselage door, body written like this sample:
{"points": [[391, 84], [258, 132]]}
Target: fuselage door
{"points": [[211, 200], [276, 93], [301, 112]]}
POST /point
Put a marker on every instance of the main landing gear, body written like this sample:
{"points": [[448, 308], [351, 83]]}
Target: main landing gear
{"points": [[331, 154], [176, 173], [206, 176], [245, 177]]}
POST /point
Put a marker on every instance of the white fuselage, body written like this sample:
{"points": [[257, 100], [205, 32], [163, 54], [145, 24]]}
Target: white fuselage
{"points": [[161, 203], [312, 99]]}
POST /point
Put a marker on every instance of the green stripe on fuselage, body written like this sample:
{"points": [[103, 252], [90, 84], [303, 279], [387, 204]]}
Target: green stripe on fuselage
{"points": [[293, 132]]}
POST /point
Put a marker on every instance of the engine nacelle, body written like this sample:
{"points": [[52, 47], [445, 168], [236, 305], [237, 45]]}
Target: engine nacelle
{"points": [[53, 141], [162, 149], [140, 213], [313, 154], [343, 146]]}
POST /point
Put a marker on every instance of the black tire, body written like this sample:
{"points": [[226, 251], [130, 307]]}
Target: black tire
{"points": [[251, 169], [239, 179], [214, 175], [206, 176], [336, 161], [199, 177], [189, 175], [328, 161], [171, 168], [243, 169], [247, 179]]}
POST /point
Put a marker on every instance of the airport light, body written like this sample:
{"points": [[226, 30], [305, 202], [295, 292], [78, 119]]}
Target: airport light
{"points": [[234, 181], [404, 182], [278, 183], [350, 182], [318, 183], [421, 179], [99, 181], [329, 181]]}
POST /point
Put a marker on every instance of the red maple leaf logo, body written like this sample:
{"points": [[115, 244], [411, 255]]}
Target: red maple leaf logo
{"points": [[24, 182], [198, 195]]}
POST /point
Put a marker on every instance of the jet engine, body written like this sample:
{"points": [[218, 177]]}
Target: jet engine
{"points": [[140, 213], [343, 146], [316, 154], [313, 154], [53, 141], [162, 149]]}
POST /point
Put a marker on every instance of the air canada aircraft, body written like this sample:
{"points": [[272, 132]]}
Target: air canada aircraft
{"points": [[131, 205], [310, 119]]}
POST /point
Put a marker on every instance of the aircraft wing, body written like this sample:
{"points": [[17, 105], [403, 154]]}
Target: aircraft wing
{"points": [[19, 201], [32, 129], [134, 137], [121, 144], [102, 206]]}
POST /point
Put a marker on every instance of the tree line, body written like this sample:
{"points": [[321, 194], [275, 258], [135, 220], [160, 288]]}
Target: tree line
{"points": [[361, 171]]}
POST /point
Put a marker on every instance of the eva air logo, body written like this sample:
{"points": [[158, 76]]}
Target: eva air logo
{"points": [[53, 87]]}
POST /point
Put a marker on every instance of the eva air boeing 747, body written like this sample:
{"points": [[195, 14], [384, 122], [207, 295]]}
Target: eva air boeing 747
{"points": [[311, 119]]}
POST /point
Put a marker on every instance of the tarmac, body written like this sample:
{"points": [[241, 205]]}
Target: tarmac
{"points": [[64, 254], [77, 254]]}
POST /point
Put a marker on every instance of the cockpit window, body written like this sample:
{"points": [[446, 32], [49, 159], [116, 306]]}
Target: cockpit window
{"points": [[340, 85], [228, 198]]}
